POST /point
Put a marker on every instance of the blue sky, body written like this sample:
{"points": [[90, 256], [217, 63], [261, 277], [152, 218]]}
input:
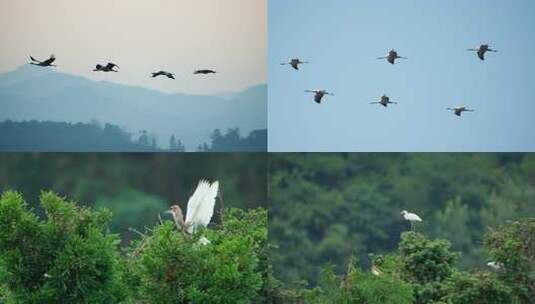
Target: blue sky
{"points": [[342, 38]]}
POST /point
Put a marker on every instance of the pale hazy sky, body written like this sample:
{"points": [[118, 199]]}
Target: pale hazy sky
{"points": [[141, 37]]}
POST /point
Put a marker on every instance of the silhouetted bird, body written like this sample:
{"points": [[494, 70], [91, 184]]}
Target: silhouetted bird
{"points": [[392, 56], [385, 100], [294, 63], [45, 63], [204, 72], [318, 94], [459, 110], [168, 74], [107, 68], [482, 50]]}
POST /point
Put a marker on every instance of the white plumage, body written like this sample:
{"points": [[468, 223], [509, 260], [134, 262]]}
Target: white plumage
{"points": [[411, 217], [201, 205]]}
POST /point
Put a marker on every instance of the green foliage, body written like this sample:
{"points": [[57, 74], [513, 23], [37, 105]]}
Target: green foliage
{"points": [[512, 247], [171, 267], [477, 288], [66, 258], [427, 264]]}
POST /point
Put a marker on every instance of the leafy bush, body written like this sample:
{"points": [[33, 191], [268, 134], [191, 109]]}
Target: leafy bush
{"points": [[171, 267], [66, 258], [478, 288], [512, 247]]}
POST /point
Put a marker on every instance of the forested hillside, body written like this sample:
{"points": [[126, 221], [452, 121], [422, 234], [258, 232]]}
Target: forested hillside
{"points": [[326, 207]]}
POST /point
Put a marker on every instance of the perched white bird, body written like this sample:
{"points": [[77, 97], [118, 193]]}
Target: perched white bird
{"points": [[411, 217], [459, 110], [494, 265], [294, 63], [318, 94], [200, 209]]}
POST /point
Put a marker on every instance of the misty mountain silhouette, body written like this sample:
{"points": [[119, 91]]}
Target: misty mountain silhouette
{"points": [[33, 93]]}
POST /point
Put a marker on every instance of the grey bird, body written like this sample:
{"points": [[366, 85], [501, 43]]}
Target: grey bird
{"points": [[482, 50], [294, 63], [164, 73], [459, 110], [385, 100], [45, 63], [392, 56], [318, 94], [107, 68]]}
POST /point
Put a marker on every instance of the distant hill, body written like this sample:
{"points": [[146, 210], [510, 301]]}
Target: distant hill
{"points": [[33, 93]]}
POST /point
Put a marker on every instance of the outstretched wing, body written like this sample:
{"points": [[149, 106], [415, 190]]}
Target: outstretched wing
{"points": [[33, 59], [111, 65], [50, 60], [201, 205]]}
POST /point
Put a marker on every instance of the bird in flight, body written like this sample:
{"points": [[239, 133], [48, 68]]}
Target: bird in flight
{"points": [[294, 63], [107, 68], [318, 94], [392, 56], [45, 63], [200, 209], [459, 110], [164, 73], [204, 72], [385, 100], [411, 217], [482, 50]]}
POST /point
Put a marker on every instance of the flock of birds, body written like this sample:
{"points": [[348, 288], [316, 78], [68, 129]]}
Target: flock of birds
{"points": [[391, 58], [111, 67]]}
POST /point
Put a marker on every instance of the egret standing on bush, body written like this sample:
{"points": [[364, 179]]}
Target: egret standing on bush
{"points": [[411, 217], [200, 209]]}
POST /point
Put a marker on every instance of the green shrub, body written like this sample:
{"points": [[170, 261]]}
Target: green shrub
{"points": [[66, 258], [512, 246], [426, 264], [477, 288], [171, 267]]}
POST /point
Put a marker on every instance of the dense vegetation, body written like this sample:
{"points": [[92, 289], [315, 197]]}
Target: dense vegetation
{"points": [[326, 207], [44, 136], [69, 256]]}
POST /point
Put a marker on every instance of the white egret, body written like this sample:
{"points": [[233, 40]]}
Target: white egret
{"points": [[392, 56], [385, 100], [200, 209], [411, 217], [294, 63], [107, 68], [376, 271], [164, 73], [318, 94], [45, 63], [494, 265], [459, 110], [482, 50]]}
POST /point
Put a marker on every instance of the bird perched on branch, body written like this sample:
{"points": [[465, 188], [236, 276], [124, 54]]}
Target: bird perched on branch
{"points": [[392, 56], [45, 63], [294, 63], [107, 68], [164, 73], [318, 94], [200, 209], [482, 50], [411, 217]]}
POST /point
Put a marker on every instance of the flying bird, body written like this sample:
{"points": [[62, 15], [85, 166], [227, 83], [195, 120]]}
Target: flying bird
{"points": [[45, 63], [204, 72], [411, 217], [200, 208], [482, 50], [107, 68], [392, 56], [294, 63], [459, 110], [318, 94], [385, 100], [164, 73]]}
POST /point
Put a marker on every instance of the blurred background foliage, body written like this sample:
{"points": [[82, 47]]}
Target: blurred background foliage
{"points": [[136, 186], [325, 207]]}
